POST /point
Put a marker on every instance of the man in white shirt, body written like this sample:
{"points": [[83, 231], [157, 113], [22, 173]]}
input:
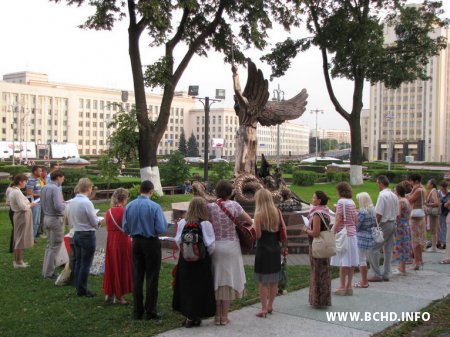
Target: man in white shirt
{"points": [[387, 210]]}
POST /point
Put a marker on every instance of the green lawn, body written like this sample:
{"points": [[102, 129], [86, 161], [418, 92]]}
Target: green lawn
{"points": [[33, 306]]}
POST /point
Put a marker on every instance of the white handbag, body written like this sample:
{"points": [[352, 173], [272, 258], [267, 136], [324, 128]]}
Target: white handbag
{"points": [[341, 237], [377, 233]]}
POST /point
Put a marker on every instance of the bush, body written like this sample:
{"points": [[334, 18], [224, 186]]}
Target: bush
{"points": [[14, 169], [305, 178], [312, 168], [288, 166], [337, 177], [396, 176], [220, 171], [175, 172]]}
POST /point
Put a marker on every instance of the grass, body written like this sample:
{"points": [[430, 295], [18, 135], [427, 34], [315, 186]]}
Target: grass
{"points": [[438, 325], [33, 306]]}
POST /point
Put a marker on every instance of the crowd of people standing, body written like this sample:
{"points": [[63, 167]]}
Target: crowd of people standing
{"points": [[207, 280], [402, 214]]}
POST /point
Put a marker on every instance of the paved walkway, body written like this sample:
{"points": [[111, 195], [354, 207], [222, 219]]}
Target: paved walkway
{"points": [[294, 317]]}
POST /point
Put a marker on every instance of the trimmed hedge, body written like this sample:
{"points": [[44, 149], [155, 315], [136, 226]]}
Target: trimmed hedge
{"points": [[337, 177], [312, 168], [303, 178], [396, 176], [14, 169]]}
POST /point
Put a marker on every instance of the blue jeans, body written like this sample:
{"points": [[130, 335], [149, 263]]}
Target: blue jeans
{"points": [[442, 236], [84, 251], [36, 214]]}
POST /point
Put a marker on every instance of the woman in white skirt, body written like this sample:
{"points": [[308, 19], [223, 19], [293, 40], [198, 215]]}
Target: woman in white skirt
{"points": [[227, 263], [346, 217]]}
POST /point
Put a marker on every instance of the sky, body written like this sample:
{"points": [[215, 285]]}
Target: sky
{"points": [[43, 37]]}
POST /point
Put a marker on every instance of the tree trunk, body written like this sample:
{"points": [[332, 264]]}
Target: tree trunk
{"points": [[246, 146], [354, 122], [147, 145]]}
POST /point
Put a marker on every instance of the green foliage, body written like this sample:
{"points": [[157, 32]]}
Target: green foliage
{"points": [[182, 145], [302, 178], [288, 166], [192, 147], [323, 144], [175, 172], [109, 168], [337, 177], [350, 36], [312, 168], [219, 171], [73, 175], [396, 176], [14, 169], [124, 141]]}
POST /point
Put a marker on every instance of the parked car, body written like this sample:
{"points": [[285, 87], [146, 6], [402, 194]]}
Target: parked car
{"points": [[194, 160], [218, 160]]}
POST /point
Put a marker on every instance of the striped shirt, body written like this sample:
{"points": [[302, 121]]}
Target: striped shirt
{"points": [[346, 212]]}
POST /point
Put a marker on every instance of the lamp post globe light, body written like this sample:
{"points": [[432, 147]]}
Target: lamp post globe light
{"points": [[278, 95], [207, 102], [317, 111]]}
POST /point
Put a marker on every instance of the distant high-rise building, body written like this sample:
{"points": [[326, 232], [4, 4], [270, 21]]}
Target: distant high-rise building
{"points": [[414, 119]]}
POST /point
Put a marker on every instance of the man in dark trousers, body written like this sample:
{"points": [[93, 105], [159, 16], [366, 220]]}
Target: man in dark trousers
{"points": [[144, 220]]}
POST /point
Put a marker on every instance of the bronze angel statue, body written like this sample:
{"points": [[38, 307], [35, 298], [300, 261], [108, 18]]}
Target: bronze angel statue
{"points": [[253, 106]]}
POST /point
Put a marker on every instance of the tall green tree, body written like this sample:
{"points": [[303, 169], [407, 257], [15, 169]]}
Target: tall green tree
{"points": [[192, 147], [182, 146], [349, 34], [193, 26]]}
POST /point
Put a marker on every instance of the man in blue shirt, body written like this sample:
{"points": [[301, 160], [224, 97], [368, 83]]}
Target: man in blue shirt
{"points": [[144, 220]]}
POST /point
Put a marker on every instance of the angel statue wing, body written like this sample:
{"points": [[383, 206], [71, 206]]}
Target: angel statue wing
{"points": [[256, 90], [276, 112]]}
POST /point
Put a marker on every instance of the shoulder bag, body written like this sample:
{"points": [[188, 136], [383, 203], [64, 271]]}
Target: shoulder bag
{"points": [[341, 237], [114, 220], [434, 211], [324, 245], [418, 212], [245, 231], [377, 232]]}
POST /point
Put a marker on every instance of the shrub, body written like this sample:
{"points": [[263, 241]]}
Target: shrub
{"points": [[220, 171], [312, 168], [175, 172], [14, 169], [337, 177], [305, 178], [396, 176]]}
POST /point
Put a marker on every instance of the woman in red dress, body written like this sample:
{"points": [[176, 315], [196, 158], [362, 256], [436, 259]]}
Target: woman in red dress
{"points": [[118, 277]]}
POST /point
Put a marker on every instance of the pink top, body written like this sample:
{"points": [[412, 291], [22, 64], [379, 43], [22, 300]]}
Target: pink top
{"points": [[348, 219], [224, 228]]}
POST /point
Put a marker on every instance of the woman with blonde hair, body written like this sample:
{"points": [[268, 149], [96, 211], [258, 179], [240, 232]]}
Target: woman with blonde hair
{"points": [[118, 276], [366, 221], [267, 272], [193, 294]]}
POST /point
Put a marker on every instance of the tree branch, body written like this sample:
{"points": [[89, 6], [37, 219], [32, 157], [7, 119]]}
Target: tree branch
{"points": [[326, 73]]}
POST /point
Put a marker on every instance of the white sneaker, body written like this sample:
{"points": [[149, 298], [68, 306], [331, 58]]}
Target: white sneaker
{"points": [[398, 272], [431, 250]]}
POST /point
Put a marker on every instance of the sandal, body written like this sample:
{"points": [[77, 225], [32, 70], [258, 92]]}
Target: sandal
{"points": [[447, 261], [360, 285]]}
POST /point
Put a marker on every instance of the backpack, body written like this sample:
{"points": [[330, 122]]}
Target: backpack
{"points": [[192, 246]]}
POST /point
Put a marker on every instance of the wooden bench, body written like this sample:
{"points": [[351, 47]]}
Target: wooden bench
{"points": [[172, 190], [102, 194]]}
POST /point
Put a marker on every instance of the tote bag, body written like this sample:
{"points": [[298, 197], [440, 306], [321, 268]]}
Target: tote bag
{"points": [[324, 245], [341, 237]]}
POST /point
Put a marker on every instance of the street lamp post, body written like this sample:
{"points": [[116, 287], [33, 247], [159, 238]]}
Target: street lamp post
{"points": [[389, 118], [316, 111], [278, 95], [207, 102]]}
